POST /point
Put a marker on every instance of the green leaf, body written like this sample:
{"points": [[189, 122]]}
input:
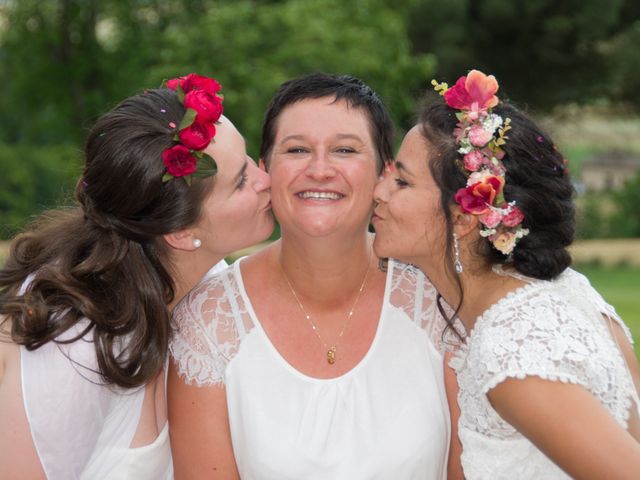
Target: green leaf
{"points": [[188, 119], [180, 93], [166, 177], [206, 167], [187, 179]]}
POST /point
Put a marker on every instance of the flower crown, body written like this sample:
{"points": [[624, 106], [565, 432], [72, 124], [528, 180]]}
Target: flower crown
{"points": [[480, 134], [203, 107]]}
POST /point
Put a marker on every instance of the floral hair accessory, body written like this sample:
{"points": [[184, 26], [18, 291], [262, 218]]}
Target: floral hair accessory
{"points": [[203, 105], [480, 134]]}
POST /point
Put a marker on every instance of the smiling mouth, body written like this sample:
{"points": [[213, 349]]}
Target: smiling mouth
{"points": [[320, 195]]}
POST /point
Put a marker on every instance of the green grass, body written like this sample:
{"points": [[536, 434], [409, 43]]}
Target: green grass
{"points": [[620, 286]]}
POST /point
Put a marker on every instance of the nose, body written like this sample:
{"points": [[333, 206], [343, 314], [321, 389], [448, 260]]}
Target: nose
{"points": [[319, 167], [381, 190], [261, 179]]}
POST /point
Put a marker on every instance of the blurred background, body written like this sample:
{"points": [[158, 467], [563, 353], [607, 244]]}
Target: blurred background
{"points": [[574, 65]]}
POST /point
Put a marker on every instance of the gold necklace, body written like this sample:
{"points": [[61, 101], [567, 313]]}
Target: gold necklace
{"points": [[331, 349]]}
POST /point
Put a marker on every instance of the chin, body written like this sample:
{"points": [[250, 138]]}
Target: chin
{"points": [[382, 249]]}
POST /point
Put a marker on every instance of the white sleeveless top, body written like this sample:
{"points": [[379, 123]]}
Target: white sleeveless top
{"points": [[554, 330], [387, 418], [81, 428]]}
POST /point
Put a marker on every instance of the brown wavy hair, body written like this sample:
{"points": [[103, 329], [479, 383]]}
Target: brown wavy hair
{"points": [[105, 260]]}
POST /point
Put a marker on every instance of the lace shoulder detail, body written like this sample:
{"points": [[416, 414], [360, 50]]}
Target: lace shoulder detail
{"points": [[531, 331], [550, 329], [412, 291], [210, 323]]}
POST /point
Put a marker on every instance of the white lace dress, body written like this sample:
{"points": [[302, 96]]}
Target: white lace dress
{"points": [[555, 330], [387, 418]]}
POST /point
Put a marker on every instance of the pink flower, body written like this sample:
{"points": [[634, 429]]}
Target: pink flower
{"points": [[513, 218], [208, 106], [505, 242], [477, 198], [475, 92], [479, 137], [473, 160], [179, 161], [491, 219], [197, 135]]}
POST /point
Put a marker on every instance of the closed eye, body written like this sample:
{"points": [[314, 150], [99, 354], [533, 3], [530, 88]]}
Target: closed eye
{"points": [[243, 181], [400, 182]]}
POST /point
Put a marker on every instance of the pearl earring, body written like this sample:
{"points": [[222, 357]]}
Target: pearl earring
{"points": [[197, 242], [457, 264]]}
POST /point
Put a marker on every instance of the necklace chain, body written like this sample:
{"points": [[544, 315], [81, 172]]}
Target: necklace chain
{"points": [[331, 349]]}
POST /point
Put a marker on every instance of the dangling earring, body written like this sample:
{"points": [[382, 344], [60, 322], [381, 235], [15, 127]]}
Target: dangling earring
{"points": [[197, 242], [457, 264]]}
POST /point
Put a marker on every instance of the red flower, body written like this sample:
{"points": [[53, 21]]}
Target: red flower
{"points": [[477, 198], [198, 82], [197, 135], [208, 106], [179, 161], [194, 82]]}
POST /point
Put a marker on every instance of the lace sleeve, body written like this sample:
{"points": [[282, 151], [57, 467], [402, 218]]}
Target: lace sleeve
{"points": [[206, 335], [534, 332], [413, 292]]}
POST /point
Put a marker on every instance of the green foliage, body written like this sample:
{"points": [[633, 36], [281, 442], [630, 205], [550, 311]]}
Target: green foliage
{"points": [[612, 214], [627, 217], [254, 47], [33, 179], [543, 52], [619, 286]]}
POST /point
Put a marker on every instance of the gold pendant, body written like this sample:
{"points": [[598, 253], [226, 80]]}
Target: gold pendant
{"points": [[331, 355]]}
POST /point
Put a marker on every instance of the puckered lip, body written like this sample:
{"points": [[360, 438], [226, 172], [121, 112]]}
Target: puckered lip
{"points": [[375, 216], [319, 194]]}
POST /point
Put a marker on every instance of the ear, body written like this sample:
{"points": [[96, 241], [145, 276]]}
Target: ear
{"points": [[262, 165], [463, 223], [181, 240]]}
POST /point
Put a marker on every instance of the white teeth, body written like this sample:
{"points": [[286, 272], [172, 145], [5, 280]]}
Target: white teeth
{"points": [[320, 195]]}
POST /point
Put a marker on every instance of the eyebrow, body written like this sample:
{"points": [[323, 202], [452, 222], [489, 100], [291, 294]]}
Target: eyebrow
{"points": [[340, 136], [403, 167]]}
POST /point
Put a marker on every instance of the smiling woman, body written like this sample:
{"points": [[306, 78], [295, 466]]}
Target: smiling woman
{"points": [[305, 360]]}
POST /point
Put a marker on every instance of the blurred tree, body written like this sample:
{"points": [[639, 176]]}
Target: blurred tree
{"points": [[626, 222], [254, 46], [545, 52]]}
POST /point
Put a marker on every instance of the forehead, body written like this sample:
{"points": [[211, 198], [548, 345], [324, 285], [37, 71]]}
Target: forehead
{"points": [[322, 116]]}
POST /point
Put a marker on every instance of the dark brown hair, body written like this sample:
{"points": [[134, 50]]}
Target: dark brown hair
{"points": [[536, 179], [105, 260]]}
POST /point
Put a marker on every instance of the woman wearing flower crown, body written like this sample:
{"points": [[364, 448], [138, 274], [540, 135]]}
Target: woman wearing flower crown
{"points": [[86, 294], [548, 382], [304, 360]]}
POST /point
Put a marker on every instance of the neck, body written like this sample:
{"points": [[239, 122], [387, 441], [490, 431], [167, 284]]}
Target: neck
{"points": [[480, 285], [187, 270], [321, 272]]}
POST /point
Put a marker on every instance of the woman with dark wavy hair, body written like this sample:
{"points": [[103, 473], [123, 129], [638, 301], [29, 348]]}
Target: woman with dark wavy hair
{"points": [[480, 199], [86, 294]]}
